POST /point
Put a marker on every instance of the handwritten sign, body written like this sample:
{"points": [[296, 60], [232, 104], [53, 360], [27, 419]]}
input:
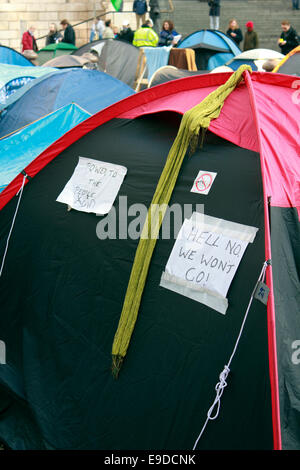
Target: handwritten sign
{"points": [[93, 187], [205, 258], [203, 182]]}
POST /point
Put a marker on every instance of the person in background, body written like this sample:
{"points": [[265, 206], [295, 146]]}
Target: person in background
{"points": [[145, 36], [115, 31], [154, 14], [69, 33], [29, 41], [251, 37], [108, 31], [234, 32], [288, 39], [100, 27], [126, 33], [93, 31], [214, 13], [166, 36], [295, 4], [140, 9], [53, 36]]}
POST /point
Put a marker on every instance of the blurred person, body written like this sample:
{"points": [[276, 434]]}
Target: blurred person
{"points": [[234, 31], [288, 39], [295, 4], [154, 14], [214, 13], [166, 36], [140, 9], [145, 36], [69, 33], [108, 30], [53, 36], [126, 33], [93, 31], [251, 37], [29, 41], [115, 30], [100, 27]]}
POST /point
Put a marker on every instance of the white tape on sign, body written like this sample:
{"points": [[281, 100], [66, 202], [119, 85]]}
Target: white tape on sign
{"points": [[225, 227], [94, 186]]}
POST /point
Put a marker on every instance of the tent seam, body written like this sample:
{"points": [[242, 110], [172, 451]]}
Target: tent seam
{"points": [[273, 366]]}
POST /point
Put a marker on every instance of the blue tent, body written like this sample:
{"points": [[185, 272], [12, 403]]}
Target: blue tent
{"points": [[234, 64], [13, 77], [90, 89], [212, 48], [22, 147], [10, 56]]}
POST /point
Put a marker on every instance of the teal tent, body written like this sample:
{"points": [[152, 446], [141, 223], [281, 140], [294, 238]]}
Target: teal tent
{"points": [[212, 48], [13, 77], [23, 146], [10, 56]]}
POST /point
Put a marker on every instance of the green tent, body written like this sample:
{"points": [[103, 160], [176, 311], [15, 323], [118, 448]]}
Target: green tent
{"points": [[54, 50]]}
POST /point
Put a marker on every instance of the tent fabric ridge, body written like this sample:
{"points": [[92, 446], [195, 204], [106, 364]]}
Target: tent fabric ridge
{"points": [[198, 117]]}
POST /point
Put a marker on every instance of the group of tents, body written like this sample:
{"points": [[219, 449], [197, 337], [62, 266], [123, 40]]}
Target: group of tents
{"points": [[63, 289], [213, 50]]}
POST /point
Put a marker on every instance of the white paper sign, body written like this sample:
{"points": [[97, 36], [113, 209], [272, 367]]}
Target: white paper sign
{"points": [[205, 258], [94, 186], [203, 182]]}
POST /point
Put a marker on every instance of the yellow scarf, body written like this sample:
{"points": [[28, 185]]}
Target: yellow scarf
{"points": [[192, 121]]}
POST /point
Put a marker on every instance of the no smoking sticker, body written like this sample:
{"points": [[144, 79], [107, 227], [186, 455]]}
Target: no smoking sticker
{"points": [[203, 182]]}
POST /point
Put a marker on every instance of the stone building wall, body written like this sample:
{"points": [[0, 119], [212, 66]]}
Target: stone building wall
{"points": [[17, 15]]}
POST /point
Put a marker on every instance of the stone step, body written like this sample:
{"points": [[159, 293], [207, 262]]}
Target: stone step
{"points": [[191, 15]]}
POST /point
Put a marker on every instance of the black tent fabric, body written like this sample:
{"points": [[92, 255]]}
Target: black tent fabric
{"points": [[61, 319], [168, 73], [87, 47], [286, 258], [292, 65], [68, 61], [117, 58]]}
